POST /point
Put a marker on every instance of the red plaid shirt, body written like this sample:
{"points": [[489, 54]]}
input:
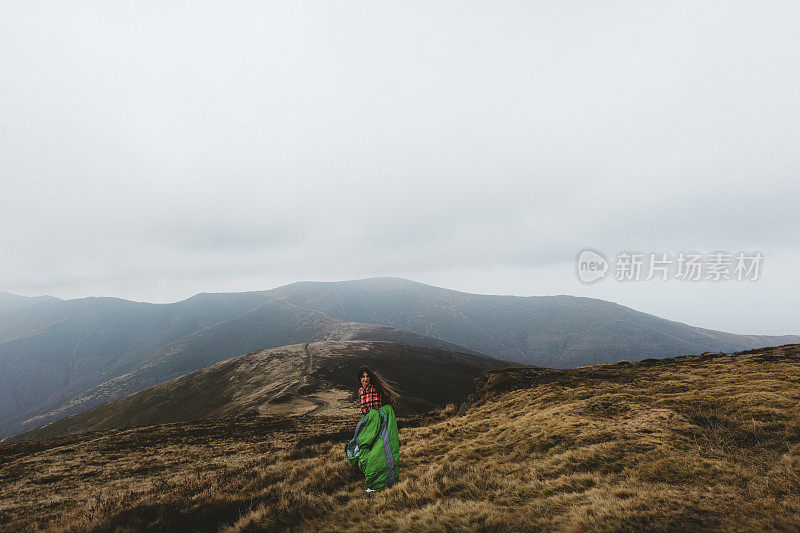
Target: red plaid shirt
{"points": [[369, 398]]}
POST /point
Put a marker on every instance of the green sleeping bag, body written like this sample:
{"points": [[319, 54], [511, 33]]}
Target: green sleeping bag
{"points": [[375, 448]]}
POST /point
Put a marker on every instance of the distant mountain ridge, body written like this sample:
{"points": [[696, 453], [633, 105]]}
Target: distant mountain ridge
{"points": [[559, 331], [60, 357]]}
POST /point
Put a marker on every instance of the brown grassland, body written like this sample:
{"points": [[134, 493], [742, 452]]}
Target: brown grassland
{"points": [[708, 442]]}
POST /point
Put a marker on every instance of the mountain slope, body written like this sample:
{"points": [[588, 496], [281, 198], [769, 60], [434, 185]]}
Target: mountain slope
{"points": [[313, 378], [52, 351], [699, 443]]}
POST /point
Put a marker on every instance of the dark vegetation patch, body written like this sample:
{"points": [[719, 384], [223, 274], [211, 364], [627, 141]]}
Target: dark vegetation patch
{"points": [[342, 435], [607, 406], [719, 431]]}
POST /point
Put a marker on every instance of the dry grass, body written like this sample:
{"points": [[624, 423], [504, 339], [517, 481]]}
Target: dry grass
{"points": [[706, 442]]}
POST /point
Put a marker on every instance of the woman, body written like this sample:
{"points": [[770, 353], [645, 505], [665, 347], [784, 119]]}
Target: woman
{"points": [[374, 392], [375, 447]]}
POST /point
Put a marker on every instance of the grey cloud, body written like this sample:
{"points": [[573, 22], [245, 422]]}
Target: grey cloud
{"points": [[152, 150]]}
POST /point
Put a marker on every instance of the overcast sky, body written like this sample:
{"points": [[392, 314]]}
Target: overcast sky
{"points": [[154, 150]]}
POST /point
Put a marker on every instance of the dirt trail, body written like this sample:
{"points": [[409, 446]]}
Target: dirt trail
{"points": [[309, 360], [307, 385], [306, 373]]}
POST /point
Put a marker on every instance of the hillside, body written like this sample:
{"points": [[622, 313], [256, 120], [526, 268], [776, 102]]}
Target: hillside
{"points": [[97, 350], [61, 357], [317, 379], [709, 442]]}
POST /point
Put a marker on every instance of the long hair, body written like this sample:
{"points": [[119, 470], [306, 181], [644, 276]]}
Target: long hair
{"points": [[387, 392]]}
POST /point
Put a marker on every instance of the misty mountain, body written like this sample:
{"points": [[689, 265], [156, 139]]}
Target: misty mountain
{"points": [[13, 303], [554, 331], [60, 357]]}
